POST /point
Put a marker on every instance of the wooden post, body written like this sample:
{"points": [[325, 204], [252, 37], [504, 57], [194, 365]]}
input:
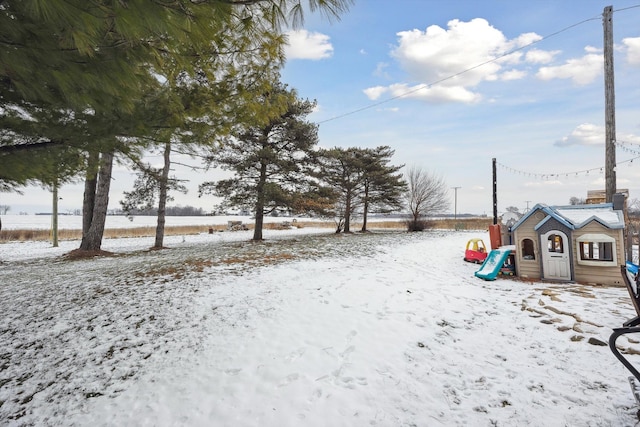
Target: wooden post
{"points": [[610, 106], [54, 216], [495, 193]]}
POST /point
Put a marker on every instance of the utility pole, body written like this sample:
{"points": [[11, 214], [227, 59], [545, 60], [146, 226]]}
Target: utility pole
{"points": [[527, 201], [455, 203], [495, 192], [610, 106]]}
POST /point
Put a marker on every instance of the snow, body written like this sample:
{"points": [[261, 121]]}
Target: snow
{"points": [[579, 215], [74, 222], [307, 328]]}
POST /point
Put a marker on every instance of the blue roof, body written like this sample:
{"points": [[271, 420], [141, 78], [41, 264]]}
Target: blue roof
{"points": [[575, 217]]}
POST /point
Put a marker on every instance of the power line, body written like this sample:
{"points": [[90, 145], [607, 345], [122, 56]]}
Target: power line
{"points": [[627, 8], [436, 82]]}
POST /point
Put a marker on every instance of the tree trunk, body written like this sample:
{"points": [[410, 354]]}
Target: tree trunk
{"points": [[162, 196], [92, 239], [347, 213], [257, 230], [90, 183], [365, 209]]}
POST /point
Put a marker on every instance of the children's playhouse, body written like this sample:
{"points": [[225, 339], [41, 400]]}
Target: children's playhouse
{"points": [[581, 243]]}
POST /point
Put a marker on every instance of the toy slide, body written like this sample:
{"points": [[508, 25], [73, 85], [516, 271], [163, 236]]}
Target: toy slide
{"points": [[631, 267], [494, 262]]}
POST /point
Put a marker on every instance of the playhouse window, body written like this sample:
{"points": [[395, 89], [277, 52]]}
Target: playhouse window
{"points": [[597, 249], [528, 250], [554, 243]]}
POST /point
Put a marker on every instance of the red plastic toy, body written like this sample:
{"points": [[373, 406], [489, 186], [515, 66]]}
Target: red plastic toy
{"points": [[476, 251]]}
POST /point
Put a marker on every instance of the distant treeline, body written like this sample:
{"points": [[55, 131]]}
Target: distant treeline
{"points": [[170, 211]]}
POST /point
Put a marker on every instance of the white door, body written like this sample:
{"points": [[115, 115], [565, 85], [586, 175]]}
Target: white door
{"points": [[555, 255]]}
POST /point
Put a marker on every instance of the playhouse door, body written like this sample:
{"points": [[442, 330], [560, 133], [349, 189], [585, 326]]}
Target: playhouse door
{"points": [[555, 255]]}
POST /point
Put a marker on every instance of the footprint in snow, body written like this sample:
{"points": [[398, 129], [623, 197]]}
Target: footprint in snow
{"points": [[295, 355], [347, 351], [288, 380]]}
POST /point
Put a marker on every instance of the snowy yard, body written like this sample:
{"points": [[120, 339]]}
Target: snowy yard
{"points": [[304, 329]]}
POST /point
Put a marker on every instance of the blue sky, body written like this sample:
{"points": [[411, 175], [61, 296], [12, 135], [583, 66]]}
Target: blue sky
{"points": [[451, 84], [539, 110]]}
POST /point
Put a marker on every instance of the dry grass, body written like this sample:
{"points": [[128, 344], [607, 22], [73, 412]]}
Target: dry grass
{"points": [[44, 235], [81, 254]]}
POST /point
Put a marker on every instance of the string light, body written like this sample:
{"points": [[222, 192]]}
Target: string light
{"points": [[625, 147], [583, 172]]}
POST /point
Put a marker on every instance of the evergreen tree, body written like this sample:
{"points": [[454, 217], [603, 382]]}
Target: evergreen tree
{"points": [[383, 187], [151, 193], [83, 61], [84, 75], [269, 158], [193, 111], [343, 170]]}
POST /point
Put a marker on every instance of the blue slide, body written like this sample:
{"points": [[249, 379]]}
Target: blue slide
{"points": [[494, 262]]}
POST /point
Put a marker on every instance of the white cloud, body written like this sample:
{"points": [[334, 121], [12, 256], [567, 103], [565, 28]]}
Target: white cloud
{"points": [[380, 70], [543, 183], [592, 49], [590, 134], [628, 137], [438, 53], [584, 134], [526, 39], [513, 75], [308, 45], [453, 61], [435, 94], [374, 93], [537, 56], [632, 46], [581, 70]]}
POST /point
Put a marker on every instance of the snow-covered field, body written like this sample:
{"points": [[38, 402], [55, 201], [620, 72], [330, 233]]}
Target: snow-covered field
{"points": [[307, 328], [74, 222]]}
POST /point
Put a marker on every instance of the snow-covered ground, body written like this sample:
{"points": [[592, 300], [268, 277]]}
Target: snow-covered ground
{"points": [[74, 222], [307, 328]]}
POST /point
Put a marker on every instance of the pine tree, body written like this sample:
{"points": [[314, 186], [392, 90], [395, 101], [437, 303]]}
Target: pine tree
{"points": [[383, 187], [342, 170], [268, 157], [84, 75]]}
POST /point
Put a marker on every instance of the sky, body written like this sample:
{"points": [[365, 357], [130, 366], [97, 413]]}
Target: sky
{"points": [[309, 329], [451, 85]]}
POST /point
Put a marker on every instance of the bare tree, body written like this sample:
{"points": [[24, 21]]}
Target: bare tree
{"points": [[576, 201], [428, 194]]}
